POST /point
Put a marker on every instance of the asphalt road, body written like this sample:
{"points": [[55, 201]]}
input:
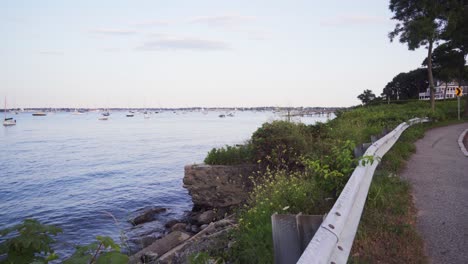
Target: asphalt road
{"points": [[438, 173]]}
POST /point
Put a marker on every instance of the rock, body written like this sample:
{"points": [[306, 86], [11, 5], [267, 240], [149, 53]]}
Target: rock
{"points": [[188, 228], [178, 227], [214, 238], [206, 217], [149, 257], [171, 223], [195, 229], [146, 215], [202, 227], [148, 240], [159, 247], [218, 186]]}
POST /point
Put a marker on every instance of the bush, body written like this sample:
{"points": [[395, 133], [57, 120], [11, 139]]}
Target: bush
{"points": [[32, 243], [279, 192], [230, 155], [280, 144]]}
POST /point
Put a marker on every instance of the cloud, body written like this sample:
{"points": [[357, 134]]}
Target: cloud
{"points": [[166, 42], [349, 20], [113, 32], [50, 52], [223, 20], [155, 22]]}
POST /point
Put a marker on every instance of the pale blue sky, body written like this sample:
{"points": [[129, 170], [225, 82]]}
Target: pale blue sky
{"points": [[150, 53]]}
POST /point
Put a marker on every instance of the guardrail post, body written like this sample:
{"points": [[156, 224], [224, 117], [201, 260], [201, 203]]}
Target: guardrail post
{"points": [[292, 234]]}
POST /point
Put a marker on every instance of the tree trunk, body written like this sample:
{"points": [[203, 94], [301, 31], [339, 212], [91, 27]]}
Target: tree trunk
{"points": [[445, 91], [429, 72]]}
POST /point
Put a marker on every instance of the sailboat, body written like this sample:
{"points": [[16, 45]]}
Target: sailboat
{"points": [[146, 114], [8, 121]]}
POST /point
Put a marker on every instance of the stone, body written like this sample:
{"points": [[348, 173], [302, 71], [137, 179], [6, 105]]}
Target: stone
{"points": [[202, 227], [171, 223], [217, 186], [195, 229], [178, 227], [146, 215], [159, 247], [215, 237], [206, 217]]}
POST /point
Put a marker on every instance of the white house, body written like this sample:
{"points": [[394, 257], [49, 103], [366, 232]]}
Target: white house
{"points": [[440, 88]]}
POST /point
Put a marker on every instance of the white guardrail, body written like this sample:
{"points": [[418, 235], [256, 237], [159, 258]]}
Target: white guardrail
{"points": [[332, 242]]}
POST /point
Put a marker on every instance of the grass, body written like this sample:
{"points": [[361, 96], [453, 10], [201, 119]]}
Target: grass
{"points": [[387, 232]]}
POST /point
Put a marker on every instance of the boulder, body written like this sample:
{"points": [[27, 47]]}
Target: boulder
{"points": [[171, 223], [178, 227], [214, 238], [159, 247], [206, 217], [146, 215], [218, 186]]}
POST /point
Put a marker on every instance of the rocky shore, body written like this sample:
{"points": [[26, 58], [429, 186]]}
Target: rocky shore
{"points": [[216, 191]]}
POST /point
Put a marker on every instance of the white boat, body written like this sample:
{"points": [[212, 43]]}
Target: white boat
{"points": [[39, 113], [146, 115], [8, 121]]}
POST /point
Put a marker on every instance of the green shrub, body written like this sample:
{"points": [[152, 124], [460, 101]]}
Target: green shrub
{"points": [[280, 144], [278, 192], [31, 243], [104, 250], [230, 155], [331, 172]]}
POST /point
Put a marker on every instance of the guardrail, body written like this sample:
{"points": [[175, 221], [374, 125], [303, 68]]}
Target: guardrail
{"points": [[332, 242]]}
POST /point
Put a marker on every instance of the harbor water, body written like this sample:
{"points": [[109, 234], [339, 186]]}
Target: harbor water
{"points": [[87, 175]]}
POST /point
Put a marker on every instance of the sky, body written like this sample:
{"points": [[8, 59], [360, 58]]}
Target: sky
{"points": [[155, 53]]}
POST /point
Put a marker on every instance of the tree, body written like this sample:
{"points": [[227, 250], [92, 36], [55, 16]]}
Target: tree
{"points": [[420, 24], [407, 85], [456, 32], [366, 97], [448, 63]]}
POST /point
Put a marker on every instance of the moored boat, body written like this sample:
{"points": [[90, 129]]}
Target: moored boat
{"points": [[8, 121], [39, 113]]}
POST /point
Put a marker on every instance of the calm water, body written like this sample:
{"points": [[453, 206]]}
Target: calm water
{"points": [[73, 170]]}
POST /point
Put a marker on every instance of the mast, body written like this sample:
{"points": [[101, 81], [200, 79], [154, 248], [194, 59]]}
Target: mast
{"points": [[4, 111]]}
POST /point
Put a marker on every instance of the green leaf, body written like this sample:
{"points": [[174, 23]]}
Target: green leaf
{"points": [[112, 258], [108, 242]]}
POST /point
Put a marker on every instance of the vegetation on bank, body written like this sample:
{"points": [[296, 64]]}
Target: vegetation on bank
{"points": [[32, 242], [310, 178]]}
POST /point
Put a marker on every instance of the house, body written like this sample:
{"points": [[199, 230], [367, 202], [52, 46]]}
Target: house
{"points": [[440, 88]]}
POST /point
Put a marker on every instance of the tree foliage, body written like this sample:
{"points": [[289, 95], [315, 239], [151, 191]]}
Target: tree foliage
{"points": [[407, 85], [420, 24], [448, 62], [366, 97]]}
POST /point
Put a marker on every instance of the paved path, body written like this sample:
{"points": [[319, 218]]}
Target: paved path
{"points": [[438, 173]]}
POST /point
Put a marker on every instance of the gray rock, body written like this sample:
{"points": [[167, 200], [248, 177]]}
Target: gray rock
{"points": [[178, 227], [171, 223], [159, 247], [195, 229], [206, 217], [202, 227], [215, 237], [218, 186], [146, 215]]}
